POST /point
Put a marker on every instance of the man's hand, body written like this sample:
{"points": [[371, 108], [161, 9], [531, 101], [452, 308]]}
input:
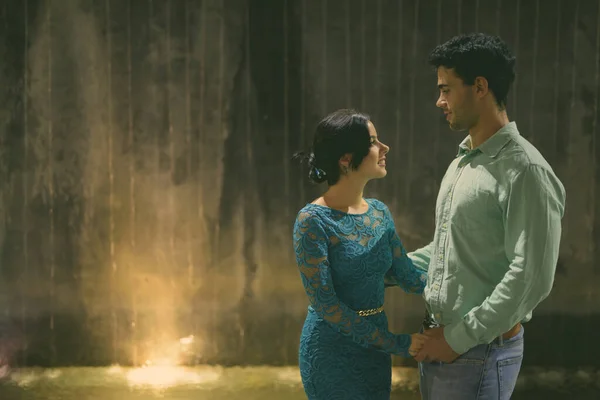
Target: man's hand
{"points": [[417, 342], [436, 348]]}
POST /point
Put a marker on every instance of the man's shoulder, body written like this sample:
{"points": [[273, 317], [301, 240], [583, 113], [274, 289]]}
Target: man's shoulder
{"points": [[521, 157], [520, 154]]}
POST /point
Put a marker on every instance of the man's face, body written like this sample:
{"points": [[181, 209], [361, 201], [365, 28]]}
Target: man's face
{"points": [[457, 100]]}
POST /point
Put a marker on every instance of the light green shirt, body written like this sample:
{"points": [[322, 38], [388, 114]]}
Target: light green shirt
{"points": [[494, 252]]}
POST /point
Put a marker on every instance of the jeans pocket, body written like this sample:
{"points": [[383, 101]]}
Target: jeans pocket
{"points": [[474, 356], [508, 372]]}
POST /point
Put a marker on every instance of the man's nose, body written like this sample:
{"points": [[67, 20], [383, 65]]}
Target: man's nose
{"points": [[441, 103]]}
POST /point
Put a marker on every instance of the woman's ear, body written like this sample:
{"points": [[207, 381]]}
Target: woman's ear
{"points": [[345, 161]]}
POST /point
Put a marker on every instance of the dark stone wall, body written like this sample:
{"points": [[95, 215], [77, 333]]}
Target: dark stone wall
{"points": [[147, 191]]}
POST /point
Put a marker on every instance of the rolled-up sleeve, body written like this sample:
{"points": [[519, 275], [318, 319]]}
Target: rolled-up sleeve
{"points": [[422, 257]]}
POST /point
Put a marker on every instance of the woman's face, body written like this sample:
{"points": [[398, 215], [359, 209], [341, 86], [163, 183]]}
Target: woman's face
{"points": [[373, 165]]}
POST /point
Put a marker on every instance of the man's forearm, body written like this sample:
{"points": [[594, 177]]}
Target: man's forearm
{"points": [[421, 257]]}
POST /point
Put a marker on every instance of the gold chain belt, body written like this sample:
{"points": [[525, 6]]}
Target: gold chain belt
{"points": [[371, 311]]}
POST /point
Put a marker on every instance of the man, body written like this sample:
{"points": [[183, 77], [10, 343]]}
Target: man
{"points": [[498, 226]]}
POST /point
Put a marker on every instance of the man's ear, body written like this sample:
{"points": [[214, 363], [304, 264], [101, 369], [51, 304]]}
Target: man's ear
{"points": [[481, 86]]}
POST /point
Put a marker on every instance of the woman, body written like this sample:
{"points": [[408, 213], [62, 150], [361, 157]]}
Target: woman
{"points": [[346, 247]]}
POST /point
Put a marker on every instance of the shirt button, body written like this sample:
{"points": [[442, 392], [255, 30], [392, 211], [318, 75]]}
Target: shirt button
{"points": [[437, 317]]}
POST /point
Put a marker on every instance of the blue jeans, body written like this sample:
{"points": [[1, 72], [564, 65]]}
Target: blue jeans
{"points": [[486, 372]]}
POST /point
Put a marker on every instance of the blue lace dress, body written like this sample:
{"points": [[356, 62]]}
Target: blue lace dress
{"points": [[344, 260]]}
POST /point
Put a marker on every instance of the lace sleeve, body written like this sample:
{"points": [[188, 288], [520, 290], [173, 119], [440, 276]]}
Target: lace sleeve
{"points": [[311, 246], [403, 272]]}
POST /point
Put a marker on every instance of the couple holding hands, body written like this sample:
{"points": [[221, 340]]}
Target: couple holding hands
{"points": [[491, 260]]}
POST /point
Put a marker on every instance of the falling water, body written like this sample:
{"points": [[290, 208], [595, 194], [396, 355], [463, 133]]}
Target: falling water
{"points": [[516, 54], [571, 129], [498, 14], [553, 299], [7, 306], [171, 199], [378, 43], [348, 58], [221, 132], [160, 254], [396, 143], [248, 160], [303, 136], [286, 148], [201, 134], [411, 129], [286, 111], [570, 133], [594, 147], [25, 177], [201, 106], [557, 110], [188, 138], [111, 186], [51, 182], [363, 59], [596, 105], [477, 16], [132, 211], [398, 303], [534, 71], [324, 90], [376, 104], [250, 233], [220, 103], [438, 131], [199, 187], [459, 13], [399, 113]]}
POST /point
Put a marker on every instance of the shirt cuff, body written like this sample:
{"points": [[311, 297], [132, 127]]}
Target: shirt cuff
{"points": [[458, 337]]}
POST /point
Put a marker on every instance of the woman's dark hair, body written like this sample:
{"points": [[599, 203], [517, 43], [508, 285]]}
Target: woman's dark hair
{"points": [[342, 132], [478, 54]]}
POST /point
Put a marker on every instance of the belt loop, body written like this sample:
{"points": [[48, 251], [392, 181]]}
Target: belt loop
{"points": [[500, 341]]}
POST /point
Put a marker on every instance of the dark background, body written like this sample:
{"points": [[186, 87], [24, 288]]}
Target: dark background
{"points": [[146, 192]]}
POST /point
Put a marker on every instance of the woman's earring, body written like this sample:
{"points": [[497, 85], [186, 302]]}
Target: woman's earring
{"points": [[344, 170]]}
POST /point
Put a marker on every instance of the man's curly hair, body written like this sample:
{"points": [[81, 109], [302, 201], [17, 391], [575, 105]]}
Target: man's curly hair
{"points": [[477, 54]]}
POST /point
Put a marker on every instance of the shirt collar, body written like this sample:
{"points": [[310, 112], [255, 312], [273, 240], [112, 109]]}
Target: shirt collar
{"points": [[494, 144]]}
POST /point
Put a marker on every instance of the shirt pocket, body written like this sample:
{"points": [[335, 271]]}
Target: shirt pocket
{"points": [[474, 205]]}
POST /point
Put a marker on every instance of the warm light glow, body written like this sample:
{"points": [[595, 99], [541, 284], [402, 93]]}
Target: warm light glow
{"points": [[162, 362], [159, 376], [186, 341], [167, 376], [170, 353], [162, 367], [4, 370], [115, 369]]}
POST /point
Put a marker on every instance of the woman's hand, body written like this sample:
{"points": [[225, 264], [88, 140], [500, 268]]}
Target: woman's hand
{"points": [[417, 342]]}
